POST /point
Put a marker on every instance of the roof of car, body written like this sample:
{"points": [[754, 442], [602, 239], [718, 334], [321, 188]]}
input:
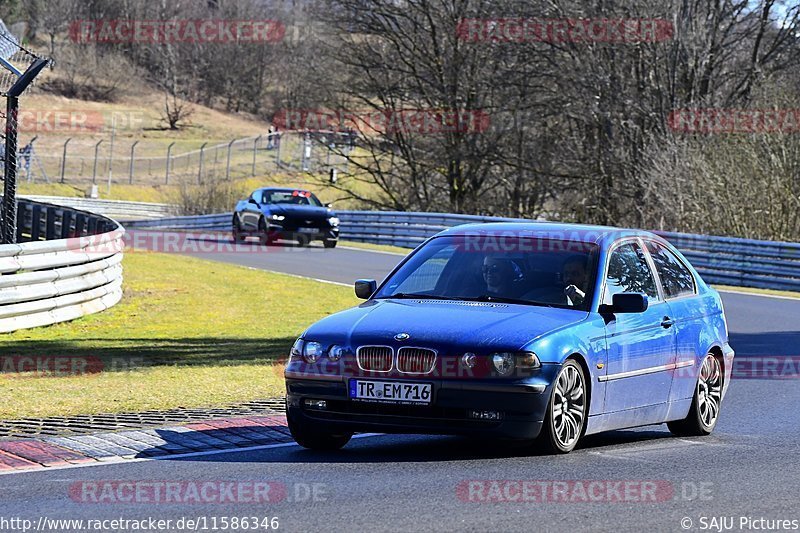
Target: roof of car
{"points": [[549, 230], [282, 189]]}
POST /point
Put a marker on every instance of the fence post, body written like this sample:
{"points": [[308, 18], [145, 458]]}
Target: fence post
{"points": [[64, 159], [200, 166], [228, 163], [169, 154], [130, 168], [94, 168], [255, 151], [10, 183]]}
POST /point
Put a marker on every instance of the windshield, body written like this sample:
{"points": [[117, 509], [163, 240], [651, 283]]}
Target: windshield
{"points": [[528, 271], [290, 197]]}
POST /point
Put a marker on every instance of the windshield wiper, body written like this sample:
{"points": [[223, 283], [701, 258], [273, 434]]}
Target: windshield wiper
{"points": [[500, 299], [418, 296]]}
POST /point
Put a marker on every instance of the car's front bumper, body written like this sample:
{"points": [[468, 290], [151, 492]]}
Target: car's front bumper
{"points": [[319, 234], [522, 407]]}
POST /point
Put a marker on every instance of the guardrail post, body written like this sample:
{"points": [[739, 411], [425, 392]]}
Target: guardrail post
{"points": [[64, 159], [169, 155], [130, 169], [50, 224], [200, 166], [66, 223], [228, 163], [94, 168], [36, 221], [80, 224]]}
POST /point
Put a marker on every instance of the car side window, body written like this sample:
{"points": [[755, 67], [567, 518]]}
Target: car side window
{"points": [[676, 279], [628, 271]]}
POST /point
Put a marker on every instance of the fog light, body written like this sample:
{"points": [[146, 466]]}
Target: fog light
{"points": [[315, 404], [469, 360], [486, 415]]}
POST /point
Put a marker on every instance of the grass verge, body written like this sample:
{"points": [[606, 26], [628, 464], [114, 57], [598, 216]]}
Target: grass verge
{"points": [[187, 333]]}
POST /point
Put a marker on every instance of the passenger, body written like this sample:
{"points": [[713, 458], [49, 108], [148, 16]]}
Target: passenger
{"points": [[575, 274]]}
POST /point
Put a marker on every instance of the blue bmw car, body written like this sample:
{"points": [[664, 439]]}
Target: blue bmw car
{"points": [[534, 331]]}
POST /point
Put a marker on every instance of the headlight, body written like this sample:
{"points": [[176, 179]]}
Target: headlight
{"points": [[333, 221], [277, 217], [335, 352], [503, 363], [312, 351], [297, 349], [506, 362]]}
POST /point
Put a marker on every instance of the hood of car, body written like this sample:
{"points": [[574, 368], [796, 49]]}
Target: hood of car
{"points": [[448, 326], [300, 211]]}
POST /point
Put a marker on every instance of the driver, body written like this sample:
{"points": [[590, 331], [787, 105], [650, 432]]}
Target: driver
{"points": [[500, 273]]}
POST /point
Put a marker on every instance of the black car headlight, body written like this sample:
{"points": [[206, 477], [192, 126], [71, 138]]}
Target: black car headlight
{"points": [[506, 362], [277, 218]]}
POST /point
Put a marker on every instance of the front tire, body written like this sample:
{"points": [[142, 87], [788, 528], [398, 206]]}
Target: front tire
{"points": [[565, 419], [316, 440], [263, 233], [706, 402], [238, 235], [329, 243]]}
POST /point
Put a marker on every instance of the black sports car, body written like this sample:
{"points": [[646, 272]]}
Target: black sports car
{"points": [[280, 213]]}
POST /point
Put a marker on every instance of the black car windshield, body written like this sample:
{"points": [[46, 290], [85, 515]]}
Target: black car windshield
{"points": [[522, 270], [297, 197]]}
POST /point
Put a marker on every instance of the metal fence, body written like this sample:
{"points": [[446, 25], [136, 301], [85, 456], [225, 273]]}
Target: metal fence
{"points": [[85, 161], [116, 209], [67, 265], [723, 260]]}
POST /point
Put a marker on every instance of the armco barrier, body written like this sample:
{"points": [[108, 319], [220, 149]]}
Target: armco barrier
{"points": [[67, 265], [116, 209], [723, 260]]}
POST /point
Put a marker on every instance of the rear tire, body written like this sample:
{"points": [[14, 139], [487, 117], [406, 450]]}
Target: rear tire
{"points": [[316, 440], [565, 419], [706, 402]]}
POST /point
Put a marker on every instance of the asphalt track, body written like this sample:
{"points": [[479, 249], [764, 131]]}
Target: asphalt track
{"points": [[748, 469]]}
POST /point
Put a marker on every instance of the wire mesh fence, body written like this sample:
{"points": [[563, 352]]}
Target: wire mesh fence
{"points": [[238, 158]]}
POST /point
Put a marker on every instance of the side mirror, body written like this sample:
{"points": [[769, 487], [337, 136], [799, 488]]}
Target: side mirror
{"points": [[365, 288], [329, 204], [252, 200], [625, 302]]}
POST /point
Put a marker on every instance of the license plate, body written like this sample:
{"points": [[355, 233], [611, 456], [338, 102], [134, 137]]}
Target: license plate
{"points": [[390, 391], [307, 230]]}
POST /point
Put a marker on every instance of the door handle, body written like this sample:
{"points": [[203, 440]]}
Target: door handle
{"points": [[667, 322]]}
